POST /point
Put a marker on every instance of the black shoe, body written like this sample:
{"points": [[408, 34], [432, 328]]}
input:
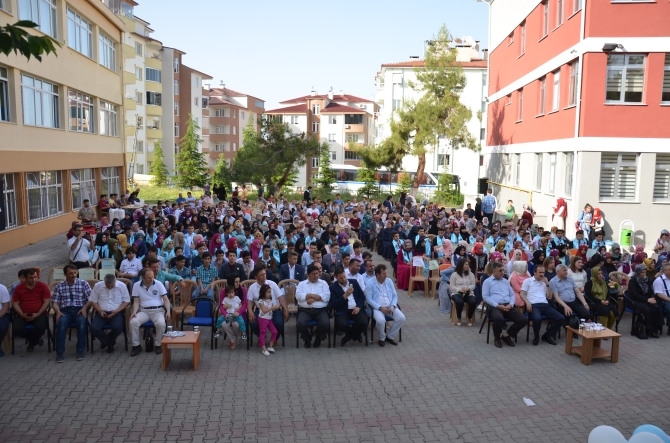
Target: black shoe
{"points": [[497, 342], [308, 344], [508, 341], [110, 349], [317, 342], [381, 343], [135, 351], [549, 340], [391, 341], [536, 341], [359, 339], [40, 343], [345, 339], [158, 350], [653, 334], [104, 345]]}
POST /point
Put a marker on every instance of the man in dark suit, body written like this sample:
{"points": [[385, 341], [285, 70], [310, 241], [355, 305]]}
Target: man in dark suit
{"points": [[307, 195], [348, 301], [292, 270], [232, 267], [332, 260]]}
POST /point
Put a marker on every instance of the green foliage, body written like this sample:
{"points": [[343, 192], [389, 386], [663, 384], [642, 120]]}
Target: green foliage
{"points": [[326, 176], [17, 40], [192, 169], [446, 193], [222, 174], [405, 182], [367, 175], [158, 169]]}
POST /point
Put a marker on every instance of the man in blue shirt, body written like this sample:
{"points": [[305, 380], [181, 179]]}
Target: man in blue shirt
{"points": [[489, 204], [498, 294]]}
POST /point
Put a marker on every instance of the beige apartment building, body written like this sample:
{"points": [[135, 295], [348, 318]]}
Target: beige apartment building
{"points": [[60, 120]]}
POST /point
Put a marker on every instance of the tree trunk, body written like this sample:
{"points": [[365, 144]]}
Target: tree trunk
{"points": [[418, 177], [284, 177]]}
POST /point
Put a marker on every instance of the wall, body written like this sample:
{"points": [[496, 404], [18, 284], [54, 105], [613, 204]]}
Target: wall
{"points": [[644, 19]]}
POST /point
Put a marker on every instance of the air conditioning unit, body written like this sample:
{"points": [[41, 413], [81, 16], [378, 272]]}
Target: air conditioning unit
{"points": [[361, 106], [347, 126]]}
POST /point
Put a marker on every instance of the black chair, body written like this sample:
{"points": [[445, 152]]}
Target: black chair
{"points": [[629, 306], [373, 323], [50, 337], [311, 324], [250, 331], [70, 327], [350, 324], [204, 315], [106, 327], [487, 320]]}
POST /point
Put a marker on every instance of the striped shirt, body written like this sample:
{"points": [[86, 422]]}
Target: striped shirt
{"points": [[206, 276]]}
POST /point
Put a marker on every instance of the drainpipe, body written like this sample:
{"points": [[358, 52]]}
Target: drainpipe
{"points": [[577, 164]]}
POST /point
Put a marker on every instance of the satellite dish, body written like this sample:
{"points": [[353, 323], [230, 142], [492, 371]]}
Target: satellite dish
{"points": [[458, 40]]}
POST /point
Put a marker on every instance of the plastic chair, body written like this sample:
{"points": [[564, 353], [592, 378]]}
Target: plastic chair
{"points": [[180, 299], [57, 275], [433, 281], [373, 323], [203, 315], [466, 308], [416, 276], [106, 327], [311, 324], [217, 287], [290, 287], [247, 283], [87, 274]]}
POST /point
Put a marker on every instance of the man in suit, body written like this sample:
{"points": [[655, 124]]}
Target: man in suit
{"points": [[348, 301], [382, 300], [307, 195], [292, 270], [332, 260], [232, 267]]}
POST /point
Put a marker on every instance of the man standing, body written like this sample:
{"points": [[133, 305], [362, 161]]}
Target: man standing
{"points": [[87, 214], [109, 300], [382, 300], [70, 304], [253, 293], [150, 303], [332, 260], [307, 195], [312, 296], [535, 292], [348, 301], [292, 270], [567, 294], [79, 245], [489, 204], [30, 302], [498, 294]]}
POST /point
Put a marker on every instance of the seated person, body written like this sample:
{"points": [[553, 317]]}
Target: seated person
{"points": [[462, 286], [498, 295], [150, 303], [131, 266], [382, 301], [641, 291], [598, 292], [535, 293], [567, 295], [662, 291], [348, 301], [312, 296], [70, 305], [87, 214], [109, 300], [31, 302], [292, 270], [4, 314]]}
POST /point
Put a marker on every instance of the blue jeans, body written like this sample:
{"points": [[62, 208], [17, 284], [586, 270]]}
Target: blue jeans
{"points": [[210, 293], [70, 317], [4, 325], [99, 323]]}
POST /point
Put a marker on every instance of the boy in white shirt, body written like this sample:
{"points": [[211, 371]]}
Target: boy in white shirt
{"points": [[131, 266]]}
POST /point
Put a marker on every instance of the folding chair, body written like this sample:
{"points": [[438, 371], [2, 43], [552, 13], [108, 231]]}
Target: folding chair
{"points": [[203, 315]]}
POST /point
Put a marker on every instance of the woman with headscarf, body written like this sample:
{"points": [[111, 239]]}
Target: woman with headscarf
{"points": [[256, 246], [233, 245], [101, 245], [479, 215], [537, 260], [598, 223], [639, 255], [140, 246], [139, 213], [343, 241], [609, 266], [215, 243], [663, 242], [650, 264], [167, 251], [115, 251], [104, 223], [516, 279], [515, 257], [123, 243], [444, 252], [581, 252], [641, 291], [480, 257], [464, 235], [597, 291], [404, 264]]}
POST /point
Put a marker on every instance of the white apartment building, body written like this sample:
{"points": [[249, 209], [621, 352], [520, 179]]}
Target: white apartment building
{"points": [[392, 90]]}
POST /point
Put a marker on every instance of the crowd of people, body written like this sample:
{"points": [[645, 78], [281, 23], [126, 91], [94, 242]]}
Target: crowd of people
{"points": [[518, 269]]}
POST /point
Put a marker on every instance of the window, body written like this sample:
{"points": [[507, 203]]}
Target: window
{"points": [[154, 98], [156, 124], [352, 138], [196, 81], [510, 38], [176, 129], [351, 155], [569, 171], [138, 48], [260, 104], [205, 102], [83, 187], [4, 95], [552, 173], [559, 13], [110, 180], [482, 133], [520, 110], [234, 112], [140, 146], [576, 5], [538, 171], [107, 52], [139, 168], [234, 146], [176, 87], [545, 18], [45, 194], [574, 79], [138, 73], [332, 119], [243, 116], [176, 64], [195, 101], [333, 155], [42, 12], [221, 112], [618, 176], [353, 119], [79, 33], [523, 39], [8, 217], [219, 147], [316, 109], [517, 169], [139, 98], [234, 130], [509, 100], [107, 119], [556, 98], [442, 160], [315, 127], [543, 94], [315, 162], [294, 119], [153, 75], [625, 78], [662, 178], [397, 104], [81, 112], [176, 108], [40, 102], [4, 6], [665, 95]]}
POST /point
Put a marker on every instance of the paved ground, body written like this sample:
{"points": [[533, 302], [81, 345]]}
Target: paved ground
{"points": [[45, 254], [442, 383]]}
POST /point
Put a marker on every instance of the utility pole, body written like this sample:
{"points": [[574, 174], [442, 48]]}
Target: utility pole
{"points": [[133, 155]]}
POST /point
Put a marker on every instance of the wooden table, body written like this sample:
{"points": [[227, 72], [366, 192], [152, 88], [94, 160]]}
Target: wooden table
{"points": [[590, 348], [189, 341]]}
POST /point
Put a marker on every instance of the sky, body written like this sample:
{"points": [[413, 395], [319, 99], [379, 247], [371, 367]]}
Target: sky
{"points": [[277, 50]]}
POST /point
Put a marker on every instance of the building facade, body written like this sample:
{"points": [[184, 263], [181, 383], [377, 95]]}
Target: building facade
{"points": [[392, 90], [579, 105], [61, 127]]}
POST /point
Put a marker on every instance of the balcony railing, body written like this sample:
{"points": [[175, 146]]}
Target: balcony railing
{"points": [[119, 7]]}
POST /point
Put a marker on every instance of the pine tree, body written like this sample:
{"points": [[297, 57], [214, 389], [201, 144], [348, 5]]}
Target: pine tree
{"points": [[326, 177], [158, 168], [191, 166], [222, 173], [368, 176], [405, 182]]}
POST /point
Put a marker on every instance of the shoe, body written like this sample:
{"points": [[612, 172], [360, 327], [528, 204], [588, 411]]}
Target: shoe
{"points": [[217, 335], [80, 356], [536, 341], [381, 343], [345, 339], [158, 349], [317, 342], [653, 334], [308, 344], [508, 341], [271, 350], [31, 348], [60, 358], [391, 341], [103, 345], [359, 339], [110, 349], [244, 336], [497, 342], [135, 351], [549, 340], [40, 343], [265, 352]]}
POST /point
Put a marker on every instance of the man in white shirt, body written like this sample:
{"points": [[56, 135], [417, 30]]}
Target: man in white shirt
{"points": [[369, 271], [535, 293], [312, 296], [279, 316], [150, 303], [662, 291], [79, 245], [353, 271], [131, 266], [109, 300]]}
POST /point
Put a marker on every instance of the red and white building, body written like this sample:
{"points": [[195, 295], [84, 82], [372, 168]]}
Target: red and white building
{"points": [[579, 108]]}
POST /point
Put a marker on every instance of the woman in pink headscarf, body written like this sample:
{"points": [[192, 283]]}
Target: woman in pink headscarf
{"points": [[215, 243], [444, 252]]}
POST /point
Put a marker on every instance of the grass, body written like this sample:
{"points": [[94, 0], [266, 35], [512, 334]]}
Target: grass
{"points": [[151, 194]]}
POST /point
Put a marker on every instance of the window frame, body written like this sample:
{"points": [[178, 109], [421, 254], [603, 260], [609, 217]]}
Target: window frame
{"points": [[522, 43], [315, 127], [53, 16], [666, 80], [86, 184], [5, 114], [11, 217], [316, 109], [545, 17], [45, 189], [55, 96], [576, 6], [560, 12], [79, 23], [542, 95], [573, 86], [624, 77], [332, 119], [519, 112], [151, 74], [617, 175], [109, 119], [662, 164], [176, 109], [109, 180], [81, 101], [569, 158], [556, 91], [157, 98], [539, 162], [175, 65], [176, 129], [106, 51]]}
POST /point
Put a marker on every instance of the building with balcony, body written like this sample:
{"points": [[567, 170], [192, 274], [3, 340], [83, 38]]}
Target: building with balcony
{"points": [[61, 127], [579, 100], [392, 90], [338, 119]]}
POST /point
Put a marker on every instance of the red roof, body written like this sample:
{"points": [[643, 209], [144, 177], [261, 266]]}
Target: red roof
{"points": [[336, 108], [421, 63], [221, 101], [297, 109], [226, 91], [338, 97]]}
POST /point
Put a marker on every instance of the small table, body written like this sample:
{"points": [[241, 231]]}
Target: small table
{"points": [[189, 341], [590, 348]]}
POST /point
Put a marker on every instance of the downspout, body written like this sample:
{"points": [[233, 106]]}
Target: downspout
{"points": [[577, 163]]}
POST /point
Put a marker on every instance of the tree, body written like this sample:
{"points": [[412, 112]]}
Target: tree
{"points": [[326, 176], [368, 176], [222, 174], [273, 154], [404, 182], [158, 168], [445, 193], [17, 40], [191, 166]]}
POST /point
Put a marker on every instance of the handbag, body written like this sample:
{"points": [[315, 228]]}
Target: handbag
{"points": [[149, 342], [639, 330]]}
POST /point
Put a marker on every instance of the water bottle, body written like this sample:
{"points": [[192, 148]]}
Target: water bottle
{"points": [[582, 322], [196, 329], [169, 331]]}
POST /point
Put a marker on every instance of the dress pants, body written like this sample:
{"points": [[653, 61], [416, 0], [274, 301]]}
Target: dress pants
{"points": [[157, 316], [306, 315], [380, 319], [497, 318], [41, 324], [579, 309], [361, 320], [115, 322], [556, 319]]}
